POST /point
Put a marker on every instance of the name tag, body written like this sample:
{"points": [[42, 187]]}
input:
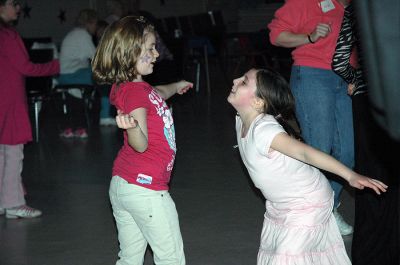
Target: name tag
{"points": [[327, 5], [144, 179]]}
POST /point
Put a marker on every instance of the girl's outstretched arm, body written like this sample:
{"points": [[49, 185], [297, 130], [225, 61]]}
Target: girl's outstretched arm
{"points": [[135, 124], [167, 91], [291, 147]]}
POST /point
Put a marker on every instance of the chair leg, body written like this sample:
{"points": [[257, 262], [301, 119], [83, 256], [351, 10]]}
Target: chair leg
{"points": [[64, 100], [86, 108], [206, 70], [37, 110], [197, 76]]}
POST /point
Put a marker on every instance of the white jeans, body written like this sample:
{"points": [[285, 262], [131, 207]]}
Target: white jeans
{"points": [[11, 189], [145, 216]]}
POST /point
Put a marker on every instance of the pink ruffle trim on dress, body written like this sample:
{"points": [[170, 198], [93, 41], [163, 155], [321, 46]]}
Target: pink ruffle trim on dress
{"points": [[299, 245]]}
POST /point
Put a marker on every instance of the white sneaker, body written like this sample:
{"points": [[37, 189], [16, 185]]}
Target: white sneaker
{"points": [[23, 211], [2, 211], [344, 228]]}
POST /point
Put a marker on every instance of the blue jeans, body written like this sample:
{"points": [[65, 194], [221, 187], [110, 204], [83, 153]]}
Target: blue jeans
{"points": [[324, 113], [105, 107], [81, 76]]}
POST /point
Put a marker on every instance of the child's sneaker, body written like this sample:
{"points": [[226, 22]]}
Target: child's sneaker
{"points": [[67, 133], [22, 211], [2, 211], [81, 133]]}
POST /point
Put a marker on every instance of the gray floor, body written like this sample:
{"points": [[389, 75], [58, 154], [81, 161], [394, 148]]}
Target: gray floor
{"points": [[220, 212]]}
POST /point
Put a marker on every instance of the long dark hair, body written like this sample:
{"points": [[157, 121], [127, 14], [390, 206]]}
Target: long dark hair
{"points": [[279, 102]]}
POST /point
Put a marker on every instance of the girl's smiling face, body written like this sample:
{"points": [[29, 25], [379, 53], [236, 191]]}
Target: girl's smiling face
{"points": [[243, 91], [148, 56]]}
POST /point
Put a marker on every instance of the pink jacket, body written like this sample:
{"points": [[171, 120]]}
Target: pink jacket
{"points": [[302, 16], [15, 127]]}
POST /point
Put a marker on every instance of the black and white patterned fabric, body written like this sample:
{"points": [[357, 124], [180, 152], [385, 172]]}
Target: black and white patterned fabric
{"points": [[341, 59]]}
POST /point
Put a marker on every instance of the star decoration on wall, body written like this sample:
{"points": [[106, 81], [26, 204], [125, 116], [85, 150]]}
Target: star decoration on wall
{"points": [[61, 16], [26, 10]]}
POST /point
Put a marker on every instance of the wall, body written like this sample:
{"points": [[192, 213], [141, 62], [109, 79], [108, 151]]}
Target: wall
{"points": [[254, 19], [44, 18]]}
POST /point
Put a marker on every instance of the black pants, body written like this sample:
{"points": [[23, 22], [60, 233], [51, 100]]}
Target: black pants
{"points": [[75, 116], [376, 225]]}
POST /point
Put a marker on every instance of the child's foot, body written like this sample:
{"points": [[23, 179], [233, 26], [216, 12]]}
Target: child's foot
{"points": [[22, 211], [81, 133], [67, 133]]}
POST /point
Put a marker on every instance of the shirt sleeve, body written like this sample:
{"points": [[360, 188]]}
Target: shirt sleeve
{"points": [[91, 49], [137, 97], [264, 133], [344, 47], [286, 18], [87, 46], [18, 57]]}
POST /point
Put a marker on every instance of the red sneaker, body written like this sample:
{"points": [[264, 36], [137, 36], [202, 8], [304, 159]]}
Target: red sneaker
{"points": [[67, 133], [81, 133]]}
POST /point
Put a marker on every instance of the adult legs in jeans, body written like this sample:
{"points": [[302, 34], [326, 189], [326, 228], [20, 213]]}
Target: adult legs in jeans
{"points": [[145, 216], [324, 112]]}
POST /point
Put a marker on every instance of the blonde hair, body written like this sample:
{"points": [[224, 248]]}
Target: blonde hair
{"points": [[119, 49]]}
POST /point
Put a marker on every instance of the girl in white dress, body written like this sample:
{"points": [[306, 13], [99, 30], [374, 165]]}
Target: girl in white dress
{"points": [[299, 227]]}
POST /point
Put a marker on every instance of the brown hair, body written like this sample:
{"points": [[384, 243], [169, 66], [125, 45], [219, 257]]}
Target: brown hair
{"points": [[278, 99], [86, 16], [119, 49]]}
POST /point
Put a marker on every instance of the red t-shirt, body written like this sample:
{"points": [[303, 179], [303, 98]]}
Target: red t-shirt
{"points": [[152, 168]]}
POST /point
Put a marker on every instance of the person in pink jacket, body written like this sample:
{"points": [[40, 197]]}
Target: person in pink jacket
{"points": [[15, 127]]}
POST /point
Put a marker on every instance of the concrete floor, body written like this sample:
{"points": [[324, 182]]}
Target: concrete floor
{"points": [[221, 213]]}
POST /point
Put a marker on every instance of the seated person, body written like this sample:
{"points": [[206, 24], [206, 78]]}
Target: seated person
{"points": [[77, 49]]}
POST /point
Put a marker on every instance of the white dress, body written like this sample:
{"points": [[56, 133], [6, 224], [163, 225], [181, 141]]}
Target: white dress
{"points": [[299, 227]]}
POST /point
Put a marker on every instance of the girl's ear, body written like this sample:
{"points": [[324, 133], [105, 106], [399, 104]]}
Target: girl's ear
{"points": [[258, 104]]}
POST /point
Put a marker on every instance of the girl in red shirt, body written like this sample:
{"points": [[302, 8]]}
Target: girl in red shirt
{"points": [[143, 209]]}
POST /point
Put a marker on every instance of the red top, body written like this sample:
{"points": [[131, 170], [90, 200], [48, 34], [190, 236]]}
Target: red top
{"points": [[15, 127], [302, 17], [152, 168]]}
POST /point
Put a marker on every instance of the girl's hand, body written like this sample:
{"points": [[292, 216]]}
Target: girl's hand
{"points": [[321, 31], [183, 86], [360, 182], [125, 121], [350, 89]]}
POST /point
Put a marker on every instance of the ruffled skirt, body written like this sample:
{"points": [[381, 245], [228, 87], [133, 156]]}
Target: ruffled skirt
{"points": [[305, 237]]}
